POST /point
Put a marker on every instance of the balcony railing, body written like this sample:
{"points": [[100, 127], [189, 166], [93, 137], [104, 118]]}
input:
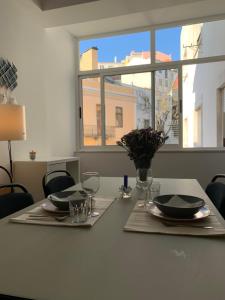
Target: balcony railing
{"points": [[110, 132], [92, 131]]}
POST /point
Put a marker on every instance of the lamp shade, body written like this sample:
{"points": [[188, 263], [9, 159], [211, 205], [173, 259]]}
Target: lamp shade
{"points": [[12, 122]]}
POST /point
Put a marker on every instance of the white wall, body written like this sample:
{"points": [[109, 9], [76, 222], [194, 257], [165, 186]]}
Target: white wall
{"points": [[60, 92], [200, 165], [45, 63], [22, 42]]}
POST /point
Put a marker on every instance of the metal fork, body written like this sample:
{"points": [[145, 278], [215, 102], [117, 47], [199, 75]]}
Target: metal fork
{"points": [[45, 217], [170, 224]]}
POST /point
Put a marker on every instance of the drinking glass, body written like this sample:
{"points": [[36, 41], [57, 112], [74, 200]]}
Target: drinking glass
{"points": [[78, 210], [90, 184], [154, 190]]}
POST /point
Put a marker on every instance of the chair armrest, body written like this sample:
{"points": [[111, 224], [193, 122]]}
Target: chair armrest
{"points": [[217, 176]]}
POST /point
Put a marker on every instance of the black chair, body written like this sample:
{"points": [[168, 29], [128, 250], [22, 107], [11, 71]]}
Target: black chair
{"points": [[216, 192], [58, 183], [13, 201], [7, 172]]}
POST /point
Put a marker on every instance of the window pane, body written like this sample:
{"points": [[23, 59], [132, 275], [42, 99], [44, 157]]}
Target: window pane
{"points": [[127, 104], [115, 51], [166, 104], [190, 41], [202, 40], [91, 112], [167, 44], [203, 104]]}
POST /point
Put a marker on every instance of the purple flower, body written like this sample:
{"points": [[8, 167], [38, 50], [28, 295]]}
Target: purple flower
{"points": [[142, 144]]}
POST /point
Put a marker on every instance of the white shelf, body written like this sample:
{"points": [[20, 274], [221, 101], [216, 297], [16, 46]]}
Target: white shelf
{"points": [[50, 159]]}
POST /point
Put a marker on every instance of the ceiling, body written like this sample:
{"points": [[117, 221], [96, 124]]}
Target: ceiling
{"points": [[83, 18], [52, 4]]}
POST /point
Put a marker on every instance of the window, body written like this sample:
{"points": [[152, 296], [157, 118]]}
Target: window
{"points": [[176, 86], [119, 117], [146, 123]]}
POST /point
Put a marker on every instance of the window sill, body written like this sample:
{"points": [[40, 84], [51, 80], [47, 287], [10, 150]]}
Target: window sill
{"points": [[166, 150]]}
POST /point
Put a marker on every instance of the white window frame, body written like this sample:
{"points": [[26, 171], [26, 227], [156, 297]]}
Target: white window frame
{"points": [[152, 67]]}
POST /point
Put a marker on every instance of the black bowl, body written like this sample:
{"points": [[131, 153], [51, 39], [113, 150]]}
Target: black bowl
{"points": [[61, 199], [179, 206]]}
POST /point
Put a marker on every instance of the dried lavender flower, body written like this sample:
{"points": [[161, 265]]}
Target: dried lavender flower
{"points": [[142, 144]]}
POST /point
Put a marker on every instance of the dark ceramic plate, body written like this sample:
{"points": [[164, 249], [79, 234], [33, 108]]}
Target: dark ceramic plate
{"points": [[179, 206], [61, 199], [203, 212]]}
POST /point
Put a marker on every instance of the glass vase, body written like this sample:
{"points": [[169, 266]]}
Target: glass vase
{"points": [[143, 183]]}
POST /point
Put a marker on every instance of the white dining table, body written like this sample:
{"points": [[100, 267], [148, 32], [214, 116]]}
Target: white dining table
{"points": [[105, 262]]}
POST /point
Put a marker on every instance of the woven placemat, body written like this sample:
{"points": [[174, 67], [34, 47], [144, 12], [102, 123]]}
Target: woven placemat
{"points": [[142, 221], [101, 205]]}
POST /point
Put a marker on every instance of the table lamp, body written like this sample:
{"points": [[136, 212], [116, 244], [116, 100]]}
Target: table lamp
{"points": [[12, 126]]}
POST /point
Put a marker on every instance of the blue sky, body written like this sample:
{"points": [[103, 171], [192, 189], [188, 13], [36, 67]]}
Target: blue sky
{"points": [[167, 41]]}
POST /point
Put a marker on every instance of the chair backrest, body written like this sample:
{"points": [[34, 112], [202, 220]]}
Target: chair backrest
{"points": [[7, 172], [58, 183], [14, 201], [216, 192]]}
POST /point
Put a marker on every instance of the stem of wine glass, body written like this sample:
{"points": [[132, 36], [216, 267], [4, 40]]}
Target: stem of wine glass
{"points": [[90, 199]]}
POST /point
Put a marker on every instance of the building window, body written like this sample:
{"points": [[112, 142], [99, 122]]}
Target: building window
{"points": [[119, 117], [146, 123], [166, 74], [124, 88]]}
